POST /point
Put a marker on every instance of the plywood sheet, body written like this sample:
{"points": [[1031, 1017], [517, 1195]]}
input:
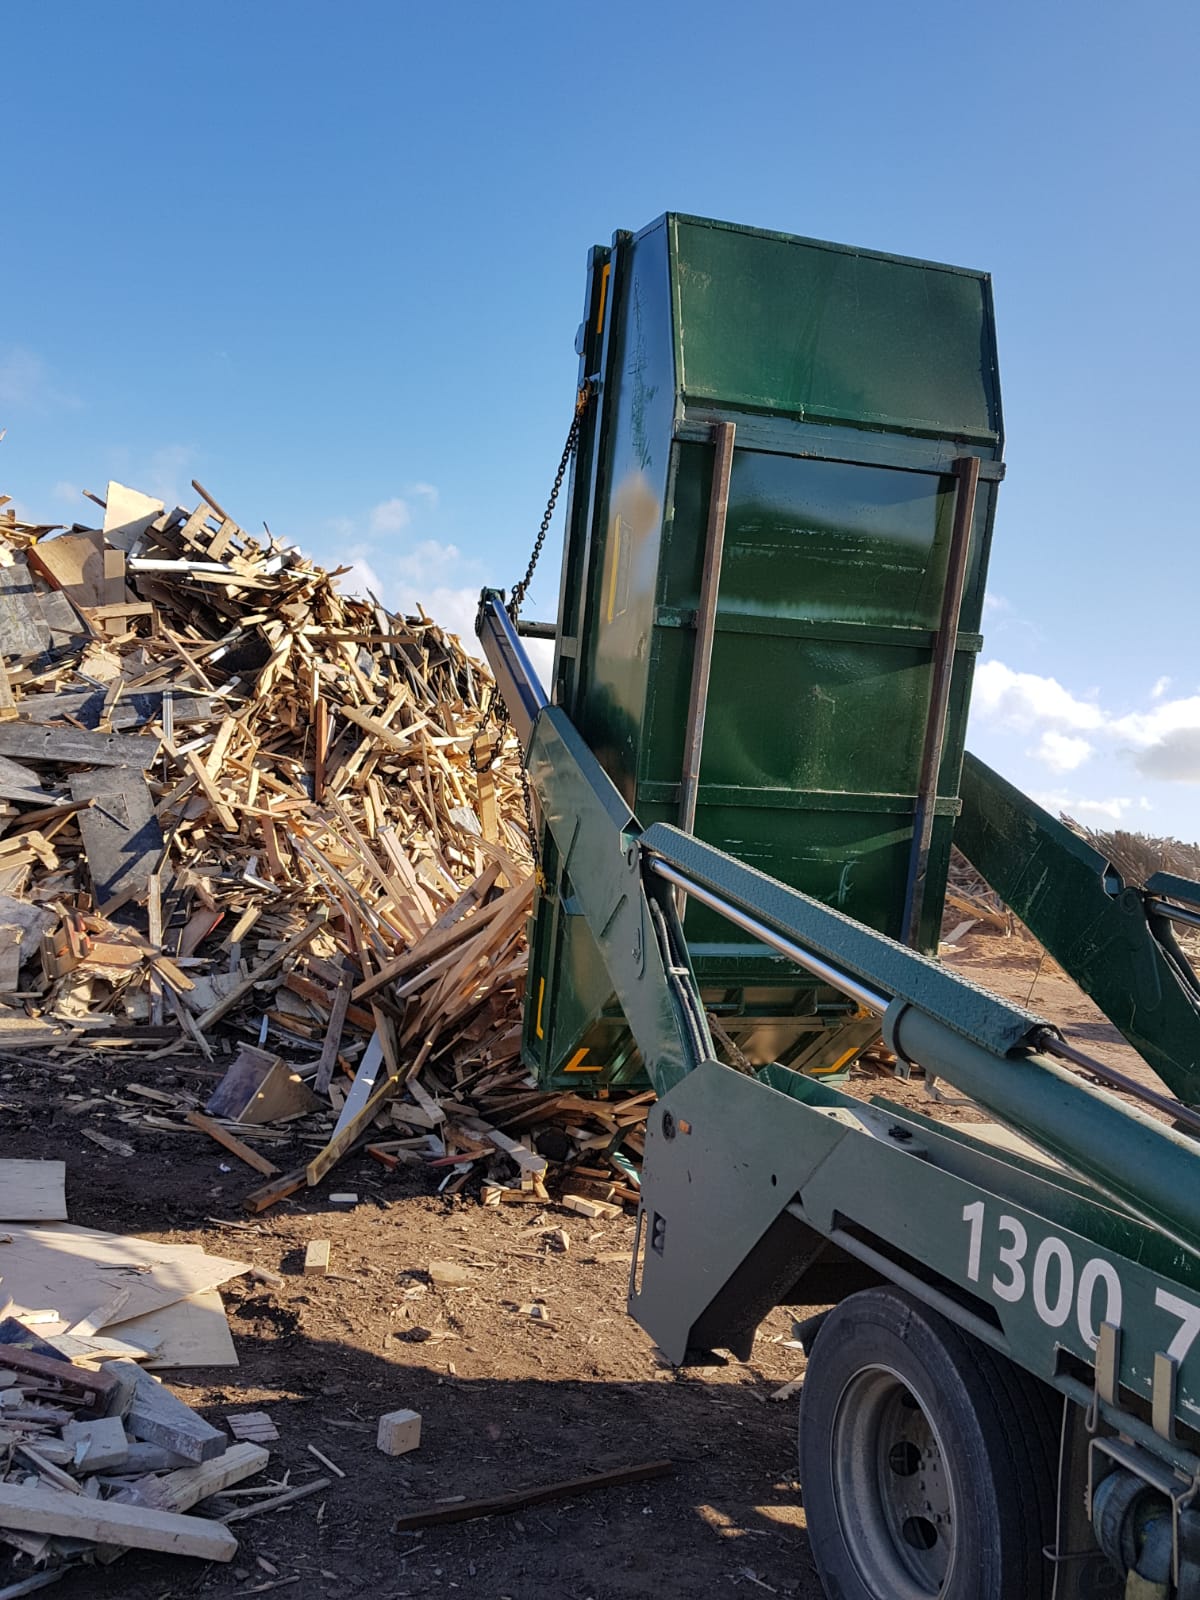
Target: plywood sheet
{"points": [[77, 1270], [33, 1191], [193, 1332]]}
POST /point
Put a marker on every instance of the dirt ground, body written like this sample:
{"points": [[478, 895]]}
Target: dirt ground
{"points": [[506, 1400]]}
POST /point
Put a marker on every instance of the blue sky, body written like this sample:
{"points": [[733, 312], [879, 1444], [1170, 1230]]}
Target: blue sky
{"points": [[329, 261]]}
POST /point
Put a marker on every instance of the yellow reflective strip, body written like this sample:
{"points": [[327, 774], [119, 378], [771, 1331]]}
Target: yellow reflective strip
{"points": [[603, 296], [614, 545], [576, 1063], [537, 1027]]}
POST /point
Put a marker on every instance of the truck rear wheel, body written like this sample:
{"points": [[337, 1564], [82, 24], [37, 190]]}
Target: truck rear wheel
{"points": [[928, 1463]]}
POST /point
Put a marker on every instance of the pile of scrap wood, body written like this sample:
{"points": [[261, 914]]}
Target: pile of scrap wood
{"points": [[242, 812], [99, 1460], [969, 896], [97, 1456]]}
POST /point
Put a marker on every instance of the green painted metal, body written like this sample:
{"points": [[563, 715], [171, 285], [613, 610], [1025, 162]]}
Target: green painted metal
{"points": [[895, 971], [854, 381], [595, 836], [801, 1183], [1093, 925]]}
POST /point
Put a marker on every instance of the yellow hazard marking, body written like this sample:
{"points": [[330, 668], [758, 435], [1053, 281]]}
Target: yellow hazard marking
{"points": [[603, 296], [577, 1063], [614, 548], [836, 1066], [537, 1027]]}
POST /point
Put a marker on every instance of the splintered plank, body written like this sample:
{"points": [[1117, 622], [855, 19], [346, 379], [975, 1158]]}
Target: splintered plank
{"points": [[436, 944], [180, 1490], [121, 835], [48, 1510]]}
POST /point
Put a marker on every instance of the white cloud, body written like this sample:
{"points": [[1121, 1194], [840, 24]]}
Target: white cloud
{"points": [[361, 579], [1084, 809], [1061, 752], [1162, 742], [425, 491], [391, 516], [435, 577], [68, 493], [1024, 699], [1169, 716], [994, 605]]}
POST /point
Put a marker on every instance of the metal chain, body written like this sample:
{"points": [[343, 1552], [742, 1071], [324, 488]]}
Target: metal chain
{"points": [[516, 600]]}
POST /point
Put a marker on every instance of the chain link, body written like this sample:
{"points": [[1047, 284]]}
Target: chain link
{"points": [[515, 601]]}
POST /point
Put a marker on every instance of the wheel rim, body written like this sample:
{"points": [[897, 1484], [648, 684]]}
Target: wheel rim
{"points": [[891, 1483]]}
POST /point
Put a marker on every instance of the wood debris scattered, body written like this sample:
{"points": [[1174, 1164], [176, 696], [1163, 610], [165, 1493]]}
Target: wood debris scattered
{"points": [[245, 815]]}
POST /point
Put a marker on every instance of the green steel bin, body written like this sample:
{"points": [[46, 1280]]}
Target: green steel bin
{"points": [[840, 402]]}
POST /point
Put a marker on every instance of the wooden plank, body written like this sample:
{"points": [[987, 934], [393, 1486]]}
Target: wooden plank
{"points": [[182, 1489], [193, 1332], [95, 1389], [278, 1189], [121, 835], [47, 1510], [75, 1269], [74, 563], [19, 783], [364, 1082], [231, 1142], [216, 798], [338, 1146], [8, 704], [517, 1499], [22, 926], [159, 1416], [333, 1034], [259, 1088], [26, 742]]}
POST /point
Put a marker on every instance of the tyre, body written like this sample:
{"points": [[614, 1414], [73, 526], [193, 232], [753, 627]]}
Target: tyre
{"points": [[928, 1463]]}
